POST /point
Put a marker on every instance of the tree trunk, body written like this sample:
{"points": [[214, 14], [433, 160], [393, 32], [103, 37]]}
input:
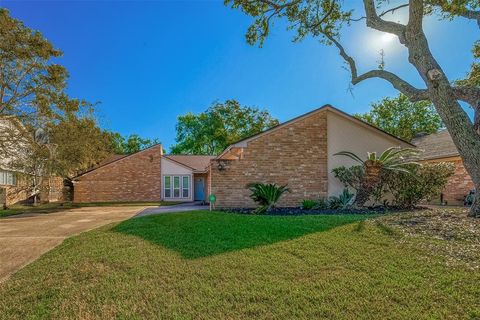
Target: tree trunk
{"points": [[475, 209], [371, 180], [440, 92]]}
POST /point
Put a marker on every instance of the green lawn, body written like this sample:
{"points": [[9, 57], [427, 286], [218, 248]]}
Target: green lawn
{"points": [[58, 206], [202, 265]]}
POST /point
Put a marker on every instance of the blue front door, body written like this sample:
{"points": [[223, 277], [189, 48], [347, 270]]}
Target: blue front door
{"points": [[199, 189]]}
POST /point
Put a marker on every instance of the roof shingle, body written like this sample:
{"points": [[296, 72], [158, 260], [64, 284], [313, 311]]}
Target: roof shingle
{"points": [[196, 162], [436, 145]]}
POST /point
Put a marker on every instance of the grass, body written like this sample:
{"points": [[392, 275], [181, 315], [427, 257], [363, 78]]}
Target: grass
{"points": [[202, 265], [60, 206], [207, 233]]}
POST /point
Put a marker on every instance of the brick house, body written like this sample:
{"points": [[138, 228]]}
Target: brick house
{"points": [[298, 153], [439, 147], [148, 175]]}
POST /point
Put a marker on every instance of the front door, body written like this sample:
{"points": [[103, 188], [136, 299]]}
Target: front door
{"points": [[199, 189]]}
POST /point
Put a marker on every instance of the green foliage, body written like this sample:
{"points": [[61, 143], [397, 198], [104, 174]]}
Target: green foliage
{"points": [[31, 85], [425, 182], [222, 124], [322, 204], [394, 158], [354, 176], [129, 144], [308, 204], [351, 177], [402, 118], [473, 77], [343, 201], [80, 144], [266, 195]]}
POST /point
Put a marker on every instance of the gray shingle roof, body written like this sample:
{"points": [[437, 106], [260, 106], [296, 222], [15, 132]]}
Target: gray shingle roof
{"points": [[196, 162], [436, 145]]}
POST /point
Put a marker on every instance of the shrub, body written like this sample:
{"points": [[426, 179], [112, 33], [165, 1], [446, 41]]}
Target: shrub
{"points": [[426, 181], [351, 177], [322, 204], [308, 204], [354, 176], [266, 195], [344, 200]]}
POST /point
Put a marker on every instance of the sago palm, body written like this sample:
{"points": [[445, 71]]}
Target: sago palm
{"points": [[266, 195], [393, 159]]}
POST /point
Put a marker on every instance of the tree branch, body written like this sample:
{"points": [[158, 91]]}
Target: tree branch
{"points": [[414, 94], [468, 94], [391, 10], [376, 22], [415, 15]]}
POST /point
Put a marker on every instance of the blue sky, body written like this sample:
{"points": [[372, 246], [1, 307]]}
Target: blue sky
{"points": [[148, 62]]}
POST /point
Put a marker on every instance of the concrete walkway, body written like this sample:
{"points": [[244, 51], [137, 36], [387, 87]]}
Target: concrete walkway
{"points": [[189, 206], [24, 238]]}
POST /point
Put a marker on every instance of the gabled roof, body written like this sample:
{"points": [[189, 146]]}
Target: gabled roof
{"points": [[436, 145], [113, 159], [243, 142], [195, 162]]}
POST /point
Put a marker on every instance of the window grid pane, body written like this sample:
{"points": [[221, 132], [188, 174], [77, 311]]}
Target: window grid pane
{"points": [[176, 187], [8, 178], [185, 187], [167, 187]]}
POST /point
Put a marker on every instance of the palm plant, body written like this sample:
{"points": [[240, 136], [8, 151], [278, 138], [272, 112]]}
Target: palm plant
{"points": [[392, 159], [266, 195]]}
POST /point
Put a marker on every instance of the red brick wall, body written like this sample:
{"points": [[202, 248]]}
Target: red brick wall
{"points": [[134, 178], [295, 154], [459, 184]]}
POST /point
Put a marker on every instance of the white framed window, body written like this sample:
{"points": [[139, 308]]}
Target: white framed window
{"points": [[176, 186], [185, 186], [8, 178], [166, 186]]}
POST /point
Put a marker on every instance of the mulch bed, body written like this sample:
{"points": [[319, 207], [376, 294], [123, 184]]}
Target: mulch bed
{"points": [[455, 235], [296, 211]]}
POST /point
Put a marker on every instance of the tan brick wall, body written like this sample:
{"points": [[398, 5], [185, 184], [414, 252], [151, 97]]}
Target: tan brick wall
{"points": [[295, 154], [134, 178], [458, 185]]}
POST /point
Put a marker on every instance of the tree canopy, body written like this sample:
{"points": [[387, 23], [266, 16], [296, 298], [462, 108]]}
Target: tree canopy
{"points": [[222, 124], [128, 144], [31, 85], [403, 118], [56, 134]]}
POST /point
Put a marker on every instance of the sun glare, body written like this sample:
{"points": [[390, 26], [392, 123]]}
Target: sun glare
{"points": [[387, 37]]}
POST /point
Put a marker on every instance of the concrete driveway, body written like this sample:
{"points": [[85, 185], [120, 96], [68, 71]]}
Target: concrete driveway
{"points": [[26, 237], [182, 207]]}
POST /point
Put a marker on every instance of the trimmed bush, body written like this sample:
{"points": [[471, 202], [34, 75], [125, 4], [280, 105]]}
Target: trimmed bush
{"points": [[426, 181]]}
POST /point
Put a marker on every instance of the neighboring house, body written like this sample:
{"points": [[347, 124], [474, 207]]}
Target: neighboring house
{"points": [[148, 175], [11, 190], [13, 183], [298, 153], [439, 147]]}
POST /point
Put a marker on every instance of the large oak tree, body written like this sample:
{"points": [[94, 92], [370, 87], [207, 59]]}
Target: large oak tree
{"points": [[222, 124], [327, 19], [403, 118]]}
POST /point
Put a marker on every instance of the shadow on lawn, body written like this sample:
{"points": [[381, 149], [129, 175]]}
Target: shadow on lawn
{"points": [[202, 233]]}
